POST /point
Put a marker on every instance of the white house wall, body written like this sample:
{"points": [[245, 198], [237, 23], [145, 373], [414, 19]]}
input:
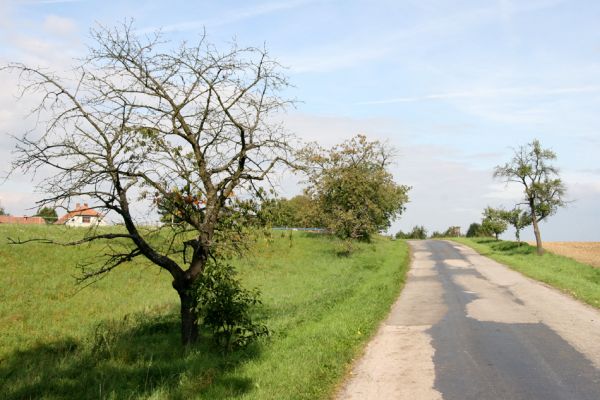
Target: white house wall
{"points": [[78, 221]]}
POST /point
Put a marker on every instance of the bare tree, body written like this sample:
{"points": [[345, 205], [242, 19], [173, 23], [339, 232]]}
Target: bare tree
{"points": [[543, 190], [142, 122]]}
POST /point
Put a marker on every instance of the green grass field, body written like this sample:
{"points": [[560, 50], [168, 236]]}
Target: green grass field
{"points": [[119, 338], [580, 280]]}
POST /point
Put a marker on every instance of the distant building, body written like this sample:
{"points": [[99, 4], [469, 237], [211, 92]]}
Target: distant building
{"points": [[82, 215], [453, 231], [9, 219]]}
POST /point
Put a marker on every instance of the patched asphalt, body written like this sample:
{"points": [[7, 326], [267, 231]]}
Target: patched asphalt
{"points": [[482, 360], [468, 328]]}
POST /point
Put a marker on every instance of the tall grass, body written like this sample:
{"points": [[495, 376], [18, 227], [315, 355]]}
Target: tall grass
{"points": [[580, 280], [119, 338]]}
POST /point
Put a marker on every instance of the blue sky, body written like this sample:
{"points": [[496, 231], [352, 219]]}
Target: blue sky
{"points": [[452, 84]]}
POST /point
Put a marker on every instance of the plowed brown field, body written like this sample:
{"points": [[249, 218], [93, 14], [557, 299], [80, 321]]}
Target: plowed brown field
{"points": [[585, 252]]}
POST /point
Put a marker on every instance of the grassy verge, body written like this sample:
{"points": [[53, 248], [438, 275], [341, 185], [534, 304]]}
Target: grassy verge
{"points": [[118, 339], [580, 280]]}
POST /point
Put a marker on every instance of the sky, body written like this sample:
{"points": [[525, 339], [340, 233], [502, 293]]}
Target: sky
{"points": [[454, 86]]}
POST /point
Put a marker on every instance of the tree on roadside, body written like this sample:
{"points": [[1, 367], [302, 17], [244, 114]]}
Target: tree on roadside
{"points": [[401, 235], [474, 230], [493, 221], [3, 211], [418, 232], [140, 125], [544, 192], [518, 219], [452, 231], [48, 213], [477, 230], [354, 192]]}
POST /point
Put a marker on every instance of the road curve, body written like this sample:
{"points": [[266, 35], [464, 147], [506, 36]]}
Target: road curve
{"points": [[466, 327]]}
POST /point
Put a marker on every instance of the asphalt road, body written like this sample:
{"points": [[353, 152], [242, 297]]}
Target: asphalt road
{"points": [[466, 327]]}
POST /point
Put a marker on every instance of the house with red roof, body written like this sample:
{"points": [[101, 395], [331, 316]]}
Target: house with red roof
{"points": [[82, 215]]}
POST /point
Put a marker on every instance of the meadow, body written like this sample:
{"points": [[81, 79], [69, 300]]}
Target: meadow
{"points": [[119, 338], [578, 279]]}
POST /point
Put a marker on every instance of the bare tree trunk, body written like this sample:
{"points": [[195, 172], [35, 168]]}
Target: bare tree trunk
{"points": [[189, 328], [536, 231]]}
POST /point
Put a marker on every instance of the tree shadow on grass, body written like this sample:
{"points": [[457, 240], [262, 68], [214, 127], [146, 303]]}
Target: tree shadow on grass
{"points": [[137, 357]]}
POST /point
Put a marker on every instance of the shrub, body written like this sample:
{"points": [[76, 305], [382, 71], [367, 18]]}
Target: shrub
{"points": [[224, 306]]}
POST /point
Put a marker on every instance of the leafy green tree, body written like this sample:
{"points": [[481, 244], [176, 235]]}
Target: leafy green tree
{"points": [[474, 230], [543, 190], [418, 232], [48, 213], [355, 193], [401, 235], [2, 211], [479, 231], [493, 221], [298, 212], [519, 219], [453, 231]]}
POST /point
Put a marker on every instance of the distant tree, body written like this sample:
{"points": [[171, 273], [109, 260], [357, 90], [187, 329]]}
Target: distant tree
{"points": [[355, 193], [300, 212], [401, 235], [544, 191], [3, 211], [519, 219], [453, 231], [48, 213], [474, 230], [436, 235], [418, 232], [138, 125], [493, 221], [477, 230], [304, 212]]}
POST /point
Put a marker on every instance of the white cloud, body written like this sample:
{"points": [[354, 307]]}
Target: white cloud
{"points": [[59, 26], [512, 193]]}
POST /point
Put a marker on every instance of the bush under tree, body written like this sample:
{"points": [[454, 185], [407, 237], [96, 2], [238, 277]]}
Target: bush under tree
{"points": [[224, 306]]}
